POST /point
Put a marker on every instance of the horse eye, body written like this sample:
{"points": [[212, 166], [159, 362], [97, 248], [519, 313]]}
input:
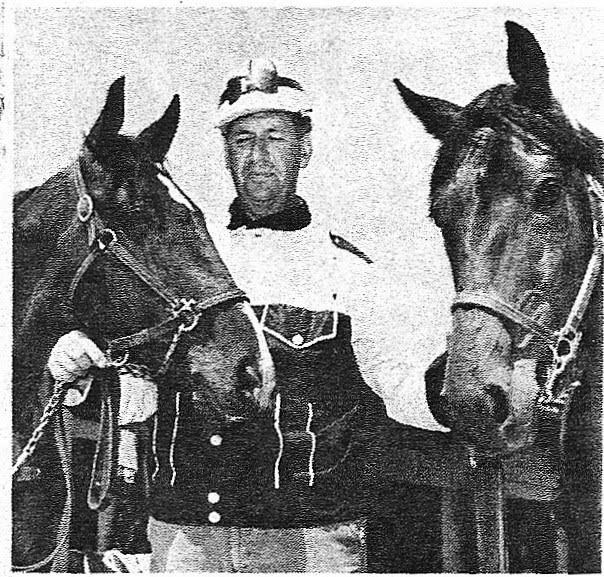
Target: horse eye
{"points": [[547, 194]]}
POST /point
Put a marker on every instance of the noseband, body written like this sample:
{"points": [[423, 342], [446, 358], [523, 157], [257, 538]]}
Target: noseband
{"points": [[564, 342]]}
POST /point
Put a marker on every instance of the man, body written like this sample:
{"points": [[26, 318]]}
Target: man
{"points": [[290, 491]]}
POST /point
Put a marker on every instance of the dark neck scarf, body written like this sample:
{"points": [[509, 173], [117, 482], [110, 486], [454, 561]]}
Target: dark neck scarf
{"points": [[294, 217]]}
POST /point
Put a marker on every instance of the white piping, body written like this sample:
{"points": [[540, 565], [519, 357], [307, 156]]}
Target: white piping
{"points": [[154, 447], [267, 367], [331, 335], [313, 448], [280, 437], [173, 441]]}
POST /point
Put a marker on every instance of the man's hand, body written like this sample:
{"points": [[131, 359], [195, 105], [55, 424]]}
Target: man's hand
{"points": [[73, 355]]}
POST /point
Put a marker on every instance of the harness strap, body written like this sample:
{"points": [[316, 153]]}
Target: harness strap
{"points": [[122, 254], [167, 327], [584, 295], [502, 308], [106, 242], [82, 269], [105, 455], [145, 336], [592, 273]]}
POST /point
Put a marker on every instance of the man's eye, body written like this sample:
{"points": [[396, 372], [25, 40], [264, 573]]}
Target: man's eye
{"points": [[276, 137], [243, 138]]}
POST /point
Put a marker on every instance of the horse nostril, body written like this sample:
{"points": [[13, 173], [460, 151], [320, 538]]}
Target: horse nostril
{"points": [[500, 403], [249, 377]]}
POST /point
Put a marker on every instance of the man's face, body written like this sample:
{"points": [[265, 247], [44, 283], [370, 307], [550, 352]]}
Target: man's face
{"points": [[265, 152]]}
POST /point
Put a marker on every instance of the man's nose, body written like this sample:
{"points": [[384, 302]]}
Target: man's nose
{"points": [[260, 152]]}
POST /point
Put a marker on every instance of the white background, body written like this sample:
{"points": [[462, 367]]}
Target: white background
{"points": [[372, 160]]}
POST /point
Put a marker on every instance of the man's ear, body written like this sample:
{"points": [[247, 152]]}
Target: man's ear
{"points": [[305, 150]]}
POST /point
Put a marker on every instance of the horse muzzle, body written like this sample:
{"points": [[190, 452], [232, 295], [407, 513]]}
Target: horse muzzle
{"points": [[488, 398]]}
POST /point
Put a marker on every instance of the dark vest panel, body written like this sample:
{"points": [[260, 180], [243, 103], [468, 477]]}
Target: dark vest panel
{"points": [[315, 449]]}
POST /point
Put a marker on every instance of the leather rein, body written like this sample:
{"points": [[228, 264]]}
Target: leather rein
{"points": [[564, 342]]}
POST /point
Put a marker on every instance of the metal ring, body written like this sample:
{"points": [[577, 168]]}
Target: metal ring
{"points": [[85, 208], [102, 245], [567, 344], [119, 362], [188, 328]]}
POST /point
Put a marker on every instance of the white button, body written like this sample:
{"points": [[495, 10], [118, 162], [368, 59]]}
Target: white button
{"points": [[216, 440], [297, 339], [214, 517], [213, 497]]}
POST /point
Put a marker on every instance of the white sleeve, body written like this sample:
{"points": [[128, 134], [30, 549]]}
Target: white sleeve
{"points": [[391, 349]]}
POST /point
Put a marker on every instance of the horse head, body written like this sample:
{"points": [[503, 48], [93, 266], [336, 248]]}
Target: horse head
{"points": [[514, 191], [103, 246]]}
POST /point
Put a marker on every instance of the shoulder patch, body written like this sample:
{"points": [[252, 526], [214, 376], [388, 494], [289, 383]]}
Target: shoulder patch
{"points": [[344, 244]]}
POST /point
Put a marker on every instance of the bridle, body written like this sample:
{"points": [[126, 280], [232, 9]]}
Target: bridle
{"points": [[184, 312], [564, 342]]}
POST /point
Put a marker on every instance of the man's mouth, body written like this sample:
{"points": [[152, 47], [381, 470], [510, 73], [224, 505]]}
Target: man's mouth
{"points": [[262, 175]]}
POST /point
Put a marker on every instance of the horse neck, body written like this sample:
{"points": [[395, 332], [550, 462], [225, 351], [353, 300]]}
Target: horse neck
{"points": [[41, 216]]}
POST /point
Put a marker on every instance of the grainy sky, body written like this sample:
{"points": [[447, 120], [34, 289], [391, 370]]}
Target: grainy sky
{"points": [[372, 159]]}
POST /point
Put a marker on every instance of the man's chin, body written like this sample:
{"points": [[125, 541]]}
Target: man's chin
{"points": [[257, 209]]}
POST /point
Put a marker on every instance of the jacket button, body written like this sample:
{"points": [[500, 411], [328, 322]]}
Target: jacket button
{"points": [[213, 497], [297, 339], [214, 517], [216, 440]]}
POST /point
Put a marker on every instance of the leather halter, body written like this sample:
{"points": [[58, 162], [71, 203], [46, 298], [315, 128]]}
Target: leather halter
{"points": [[565, 341]]}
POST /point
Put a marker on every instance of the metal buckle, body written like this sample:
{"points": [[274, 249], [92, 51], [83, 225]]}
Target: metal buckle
{"points": [[85, 207], [565, 348], [183, 306]]}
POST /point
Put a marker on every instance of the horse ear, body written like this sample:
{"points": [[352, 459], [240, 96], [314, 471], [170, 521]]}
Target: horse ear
{"points": [[527, 66], [110, 120], [157, 138], [437, 116]]}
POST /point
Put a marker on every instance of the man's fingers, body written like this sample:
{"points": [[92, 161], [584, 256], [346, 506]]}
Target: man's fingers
{"points": [[96, 355], [63, 371], [79, 342], [80, 363], [72, 357]]}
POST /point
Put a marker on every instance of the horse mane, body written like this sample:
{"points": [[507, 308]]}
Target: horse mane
{"points": [[22, 196], [497, 108]]}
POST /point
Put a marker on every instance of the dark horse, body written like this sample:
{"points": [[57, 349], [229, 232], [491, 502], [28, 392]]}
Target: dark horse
{"points": [[516, 191], [103, 247]]}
